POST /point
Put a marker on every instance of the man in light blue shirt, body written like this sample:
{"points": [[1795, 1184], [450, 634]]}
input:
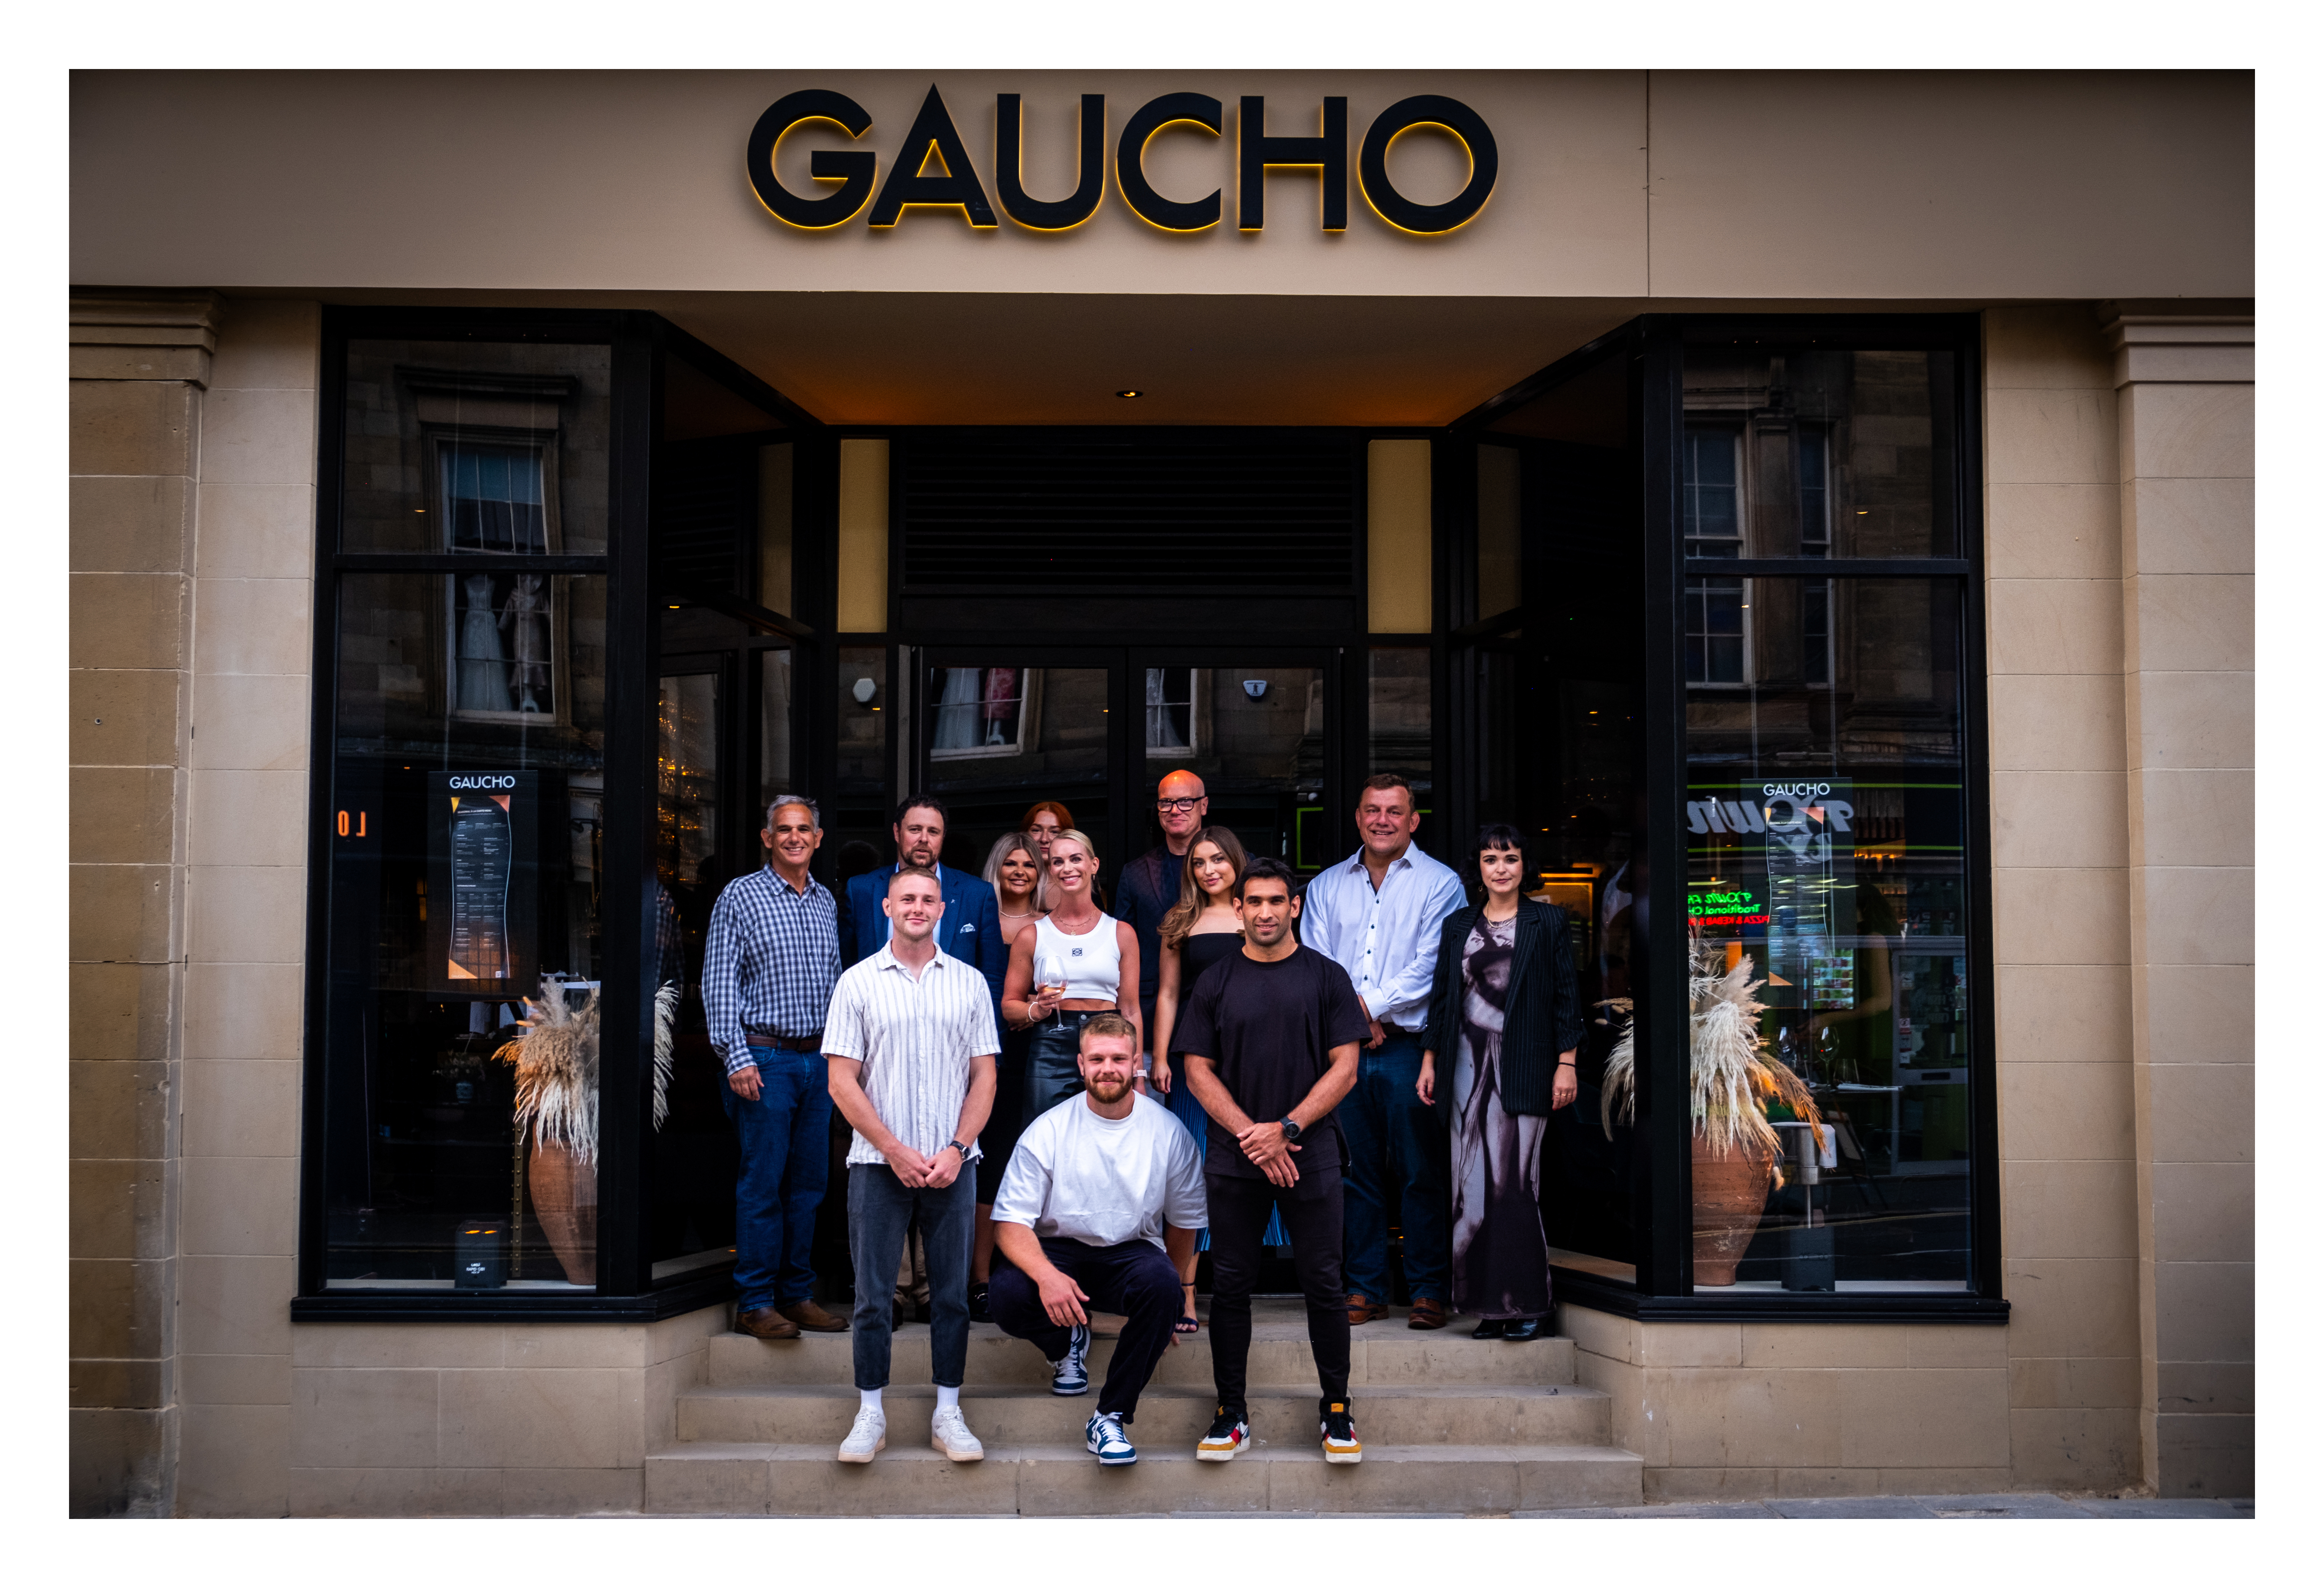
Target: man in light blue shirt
{"points": [[1378, 914]]}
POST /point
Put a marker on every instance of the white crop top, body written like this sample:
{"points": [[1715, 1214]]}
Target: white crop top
{"points": [[1090, 964]]}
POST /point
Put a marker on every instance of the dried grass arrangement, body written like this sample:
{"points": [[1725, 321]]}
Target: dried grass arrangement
{"points": [[556, 1060], [1732, 1077], [665, 999]]}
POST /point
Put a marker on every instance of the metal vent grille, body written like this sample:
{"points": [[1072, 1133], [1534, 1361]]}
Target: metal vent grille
{"points": [[705, 518], [1130, 514]]}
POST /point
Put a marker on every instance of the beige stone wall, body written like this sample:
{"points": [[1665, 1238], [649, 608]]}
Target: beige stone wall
{"points": [[2185, 403], [2061, 897], [1748, 1411], [246, 817], [139, 367], [485, 1419]]}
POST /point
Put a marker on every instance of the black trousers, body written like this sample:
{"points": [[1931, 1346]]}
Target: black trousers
{"points": [[1313, 1214], [1135, 1279]]}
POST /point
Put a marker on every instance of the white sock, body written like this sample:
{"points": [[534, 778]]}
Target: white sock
{"points": [[872, 1400], [948, 1400]]}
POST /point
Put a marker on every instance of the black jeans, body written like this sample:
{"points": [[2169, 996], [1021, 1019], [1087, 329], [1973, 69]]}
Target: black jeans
{"points": [[880, 1208], [1135, 1279], [1313, 1218]]}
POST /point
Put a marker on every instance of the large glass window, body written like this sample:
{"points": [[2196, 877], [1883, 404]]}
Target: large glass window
{"points": [[1824, 832], [466, 954]]}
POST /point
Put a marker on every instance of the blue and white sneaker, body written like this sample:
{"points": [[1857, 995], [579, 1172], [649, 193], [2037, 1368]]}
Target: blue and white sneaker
{"points": [[1070, 1373], [1107, 1441]]}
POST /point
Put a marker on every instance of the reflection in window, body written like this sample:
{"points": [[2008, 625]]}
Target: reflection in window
{"points": [[464, 892], [981, 712], [493, 497], [1170, 710], [1824, 820]]}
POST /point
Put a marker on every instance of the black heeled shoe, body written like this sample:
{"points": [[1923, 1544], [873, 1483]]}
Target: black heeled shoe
{"points": [[1489, 1328], [1522, 1328]]}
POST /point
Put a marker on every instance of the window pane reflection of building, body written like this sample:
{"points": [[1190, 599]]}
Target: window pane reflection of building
{"points": [[1825, 825]]}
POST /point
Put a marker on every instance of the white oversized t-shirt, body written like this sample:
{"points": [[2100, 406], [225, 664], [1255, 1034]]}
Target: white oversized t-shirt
{"points": [[1103, 1181]]}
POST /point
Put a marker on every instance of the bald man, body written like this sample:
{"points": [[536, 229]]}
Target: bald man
{"points": [[1149, 883]]}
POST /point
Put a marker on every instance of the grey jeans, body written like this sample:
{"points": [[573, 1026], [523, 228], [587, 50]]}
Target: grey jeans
{"points": [[880, 1209]]}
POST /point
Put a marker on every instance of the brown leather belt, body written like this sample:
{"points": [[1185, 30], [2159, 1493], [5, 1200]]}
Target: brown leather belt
{"points": [[759, 1039]]}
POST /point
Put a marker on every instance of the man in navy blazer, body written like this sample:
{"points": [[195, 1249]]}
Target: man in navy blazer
{"points": [[970, 929]]}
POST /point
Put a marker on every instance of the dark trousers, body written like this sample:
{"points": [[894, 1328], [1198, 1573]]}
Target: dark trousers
{"points": [[880, 1209], [1311, 1218], [779, 1181], [1395, 1139], [1135, 1279]]}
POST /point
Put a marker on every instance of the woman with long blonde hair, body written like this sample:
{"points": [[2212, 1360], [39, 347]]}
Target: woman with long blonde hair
{"points": [[1198, 932], [1075, 961]]}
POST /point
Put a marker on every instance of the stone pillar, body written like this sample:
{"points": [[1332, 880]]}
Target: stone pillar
{"points": [[139, 368], [2184, 383], [2061, 996]]}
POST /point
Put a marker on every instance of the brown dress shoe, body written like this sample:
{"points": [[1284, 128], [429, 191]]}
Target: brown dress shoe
{"points": [[1427, 1313], [1362, 1309], [765, 1323], [808, 1314]]}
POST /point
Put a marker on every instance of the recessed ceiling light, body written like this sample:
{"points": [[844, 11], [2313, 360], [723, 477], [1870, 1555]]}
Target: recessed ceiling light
{"points": [[1131, 391]]}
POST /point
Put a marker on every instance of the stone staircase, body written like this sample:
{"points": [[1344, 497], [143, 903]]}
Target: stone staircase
{"points": [[1450, 1426]]}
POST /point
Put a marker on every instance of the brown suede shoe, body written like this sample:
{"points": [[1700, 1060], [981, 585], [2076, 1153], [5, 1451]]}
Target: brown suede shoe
{"points": [[1427, 1313], [808, 1314], [1362, 1309], [765, 1323]]}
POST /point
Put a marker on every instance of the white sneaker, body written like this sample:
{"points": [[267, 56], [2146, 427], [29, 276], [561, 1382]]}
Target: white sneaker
{"points": [[1107, 1441], [1069, 1374], [948, 1432], [867, 1439]]}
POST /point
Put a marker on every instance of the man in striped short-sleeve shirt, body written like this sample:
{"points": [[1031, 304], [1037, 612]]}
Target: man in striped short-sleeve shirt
{"points": [[911, 1039]]}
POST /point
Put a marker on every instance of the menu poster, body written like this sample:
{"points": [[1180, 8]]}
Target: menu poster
{"points": [[483, 864]]}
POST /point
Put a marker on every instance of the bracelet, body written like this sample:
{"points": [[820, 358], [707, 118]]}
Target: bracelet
{"points": [[1565, 1064]]}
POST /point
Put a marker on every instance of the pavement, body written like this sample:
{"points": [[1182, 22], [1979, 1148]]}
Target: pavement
{"points": [[1866, 1507]]}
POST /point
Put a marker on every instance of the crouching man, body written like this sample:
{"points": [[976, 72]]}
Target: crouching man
{"points": [[1098, 1209]]}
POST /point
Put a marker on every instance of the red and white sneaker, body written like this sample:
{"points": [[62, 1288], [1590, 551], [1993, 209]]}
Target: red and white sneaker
{"points": [[1341, 1445], [1229, 1432]]}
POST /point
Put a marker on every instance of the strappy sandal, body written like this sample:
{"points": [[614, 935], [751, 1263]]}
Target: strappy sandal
{"points": [[1188, 1324]]}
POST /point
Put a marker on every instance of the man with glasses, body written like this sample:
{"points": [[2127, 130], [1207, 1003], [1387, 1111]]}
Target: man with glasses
{"points": [[1149, 883]]}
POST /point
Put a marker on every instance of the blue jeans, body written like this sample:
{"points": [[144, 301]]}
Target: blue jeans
{"points": [[880, 1209], [785, 1138], [1395, 1138]]}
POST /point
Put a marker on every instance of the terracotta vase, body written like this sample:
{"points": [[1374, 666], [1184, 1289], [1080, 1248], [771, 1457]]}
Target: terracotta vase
{"points": [[565, 1200], [1730, 1193]]}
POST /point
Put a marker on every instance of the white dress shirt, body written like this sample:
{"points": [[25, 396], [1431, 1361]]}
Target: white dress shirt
{"points": [[1079, 1175], [1384, 938], [914, 1037]]}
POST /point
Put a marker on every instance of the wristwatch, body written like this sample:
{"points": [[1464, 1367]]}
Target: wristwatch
{"points": [[956, 1147], [1290, 1128]]}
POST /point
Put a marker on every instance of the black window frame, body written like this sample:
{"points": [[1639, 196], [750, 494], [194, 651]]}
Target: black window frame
{"points": [[642, 345], [1654, 347]]}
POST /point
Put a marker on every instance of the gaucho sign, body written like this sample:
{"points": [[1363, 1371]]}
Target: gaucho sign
{"points": [[931, 168]]}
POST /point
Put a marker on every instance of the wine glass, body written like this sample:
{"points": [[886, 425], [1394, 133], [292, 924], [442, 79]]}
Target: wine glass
{"points": [[1049, 979]]}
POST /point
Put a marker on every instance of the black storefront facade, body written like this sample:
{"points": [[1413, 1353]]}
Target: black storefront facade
{"points": [[1724, 600]]}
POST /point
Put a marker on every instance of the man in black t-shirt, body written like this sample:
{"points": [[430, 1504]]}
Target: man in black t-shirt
{"points": [[1271, 1037]]}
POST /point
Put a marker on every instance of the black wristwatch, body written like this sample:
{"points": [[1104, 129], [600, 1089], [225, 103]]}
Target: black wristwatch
{"points": [[1290, 1128], [956, 1147]]}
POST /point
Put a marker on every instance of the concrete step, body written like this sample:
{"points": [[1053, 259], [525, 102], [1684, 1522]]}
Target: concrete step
{"points": [[1014, 1415], [1383, 1352], [910, 1479]]}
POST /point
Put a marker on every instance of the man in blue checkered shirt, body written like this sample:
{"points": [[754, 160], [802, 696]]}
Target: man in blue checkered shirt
{"points": [[767, 968]]}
